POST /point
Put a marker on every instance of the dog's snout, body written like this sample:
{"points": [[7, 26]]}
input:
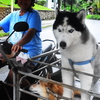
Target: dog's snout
{"points": [[62, 44]]}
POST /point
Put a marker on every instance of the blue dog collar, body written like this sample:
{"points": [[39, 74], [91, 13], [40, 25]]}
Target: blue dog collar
{"points": [[81, 63]]}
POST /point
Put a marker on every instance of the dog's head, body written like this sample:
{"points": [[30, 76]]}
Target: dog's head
{"points": [[39, 88], [69, 28]]}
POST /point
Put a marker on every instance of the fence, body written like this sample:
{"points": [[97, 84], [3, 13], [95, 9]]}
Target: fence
{"points": [[17, 89], [45, 14], [55, 82]]}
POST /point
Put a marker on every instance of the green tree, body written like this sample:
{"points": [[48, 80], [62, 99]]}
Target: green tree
{"points": [[68, 3], [97, 2], [41, 2], [75, 5]]}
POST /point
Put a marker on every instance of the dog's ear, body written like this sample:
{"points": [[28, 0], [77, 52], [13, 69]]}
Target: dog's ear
{"points": [[43, 83], [81, 16]]}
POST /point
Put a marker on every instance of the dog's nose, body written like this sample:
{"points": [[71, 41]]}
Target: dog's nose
{"points": [[62, 44]]}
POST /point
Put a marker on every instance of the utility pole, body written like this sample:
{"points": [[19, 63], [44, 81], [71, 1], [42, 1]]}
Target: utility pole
{"points": [[58, 4], [12, 5], [65, 5], [55, 4]]}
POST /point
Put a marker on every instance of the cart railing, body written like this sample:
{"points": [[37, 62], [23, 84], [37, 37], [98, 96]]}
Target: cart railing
{"points": [[16, 82], [49, 80]]}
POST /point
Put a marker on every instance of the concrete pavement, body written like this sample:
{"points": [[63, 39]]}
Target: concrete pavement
{"points": [[93, 26], [46, 23]]}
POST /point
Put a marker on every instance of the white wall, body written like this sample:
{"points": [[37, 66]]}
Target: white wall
{"points": [[50, 4]]}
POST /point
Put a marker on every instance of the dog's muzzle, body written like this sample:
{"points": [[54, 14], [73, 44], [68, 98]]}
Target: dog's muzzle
{"points": [[62, 45]]}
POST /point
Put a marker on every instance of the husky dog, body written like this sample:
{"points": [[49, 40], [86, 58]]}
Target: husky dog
{"points": [[79, 50]]}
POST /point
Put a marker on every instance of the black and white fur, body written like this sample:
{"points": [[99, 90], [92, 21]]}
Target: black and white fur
{"points": [[77, 44]]}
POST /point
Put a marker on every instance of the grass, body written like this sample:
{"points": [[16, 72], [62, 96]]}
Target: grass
{"points": [[39, 7], [3, 34], [7, 3], [94, 17]]}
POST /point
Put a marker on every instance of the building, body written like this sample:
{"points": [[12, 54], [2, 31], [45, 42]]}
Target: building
{"points": [[52, 4]]}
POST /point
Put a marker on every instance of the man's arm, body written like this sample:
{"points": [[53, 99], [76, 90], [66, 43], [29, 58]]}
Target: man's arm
{"points": [[26, 38]]}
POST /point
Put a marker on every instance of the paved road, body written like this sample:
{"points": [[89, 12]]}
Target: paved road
{"points": [[47, 33], [93, 25], [47, 22]]}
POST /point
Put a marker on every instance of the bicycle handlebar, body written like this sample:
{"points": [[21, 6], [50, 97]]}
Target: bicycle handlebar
{"points": [[23, 50]]}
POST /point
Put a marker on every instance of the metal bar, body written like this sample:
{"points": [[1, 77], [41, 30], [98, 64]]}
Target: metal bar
{"points": [[66, 69], [62, 84], [44, 54], [16, 86], [32, 94], [38, 70], [51, 64], [68, 86], [14, 75], [16, 83]]}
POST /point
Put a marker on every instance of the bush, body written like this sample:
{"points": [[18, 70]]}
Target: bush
{"points": [[95, 17], [4, 34], [41, 2], [0, 2]]}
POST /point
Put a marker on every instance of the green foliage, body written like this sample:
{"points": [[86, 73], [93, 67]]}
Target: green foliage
{"points": [[0, 2], [95, 8], [7, 3], [95, 17], [39, 7], [71, 2], [97, 3], [81, 4], [36, 7], [41, 2], [3, 34]]}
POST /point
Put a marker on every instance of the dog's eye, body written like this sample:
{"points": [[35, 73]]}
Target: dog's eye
{"points": [[59, 30], [71, 31]]}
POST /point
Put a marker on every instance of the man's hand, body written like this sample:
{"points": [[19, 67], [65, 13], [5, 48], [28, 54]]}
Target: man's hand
{"points": [[16, 48]]}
